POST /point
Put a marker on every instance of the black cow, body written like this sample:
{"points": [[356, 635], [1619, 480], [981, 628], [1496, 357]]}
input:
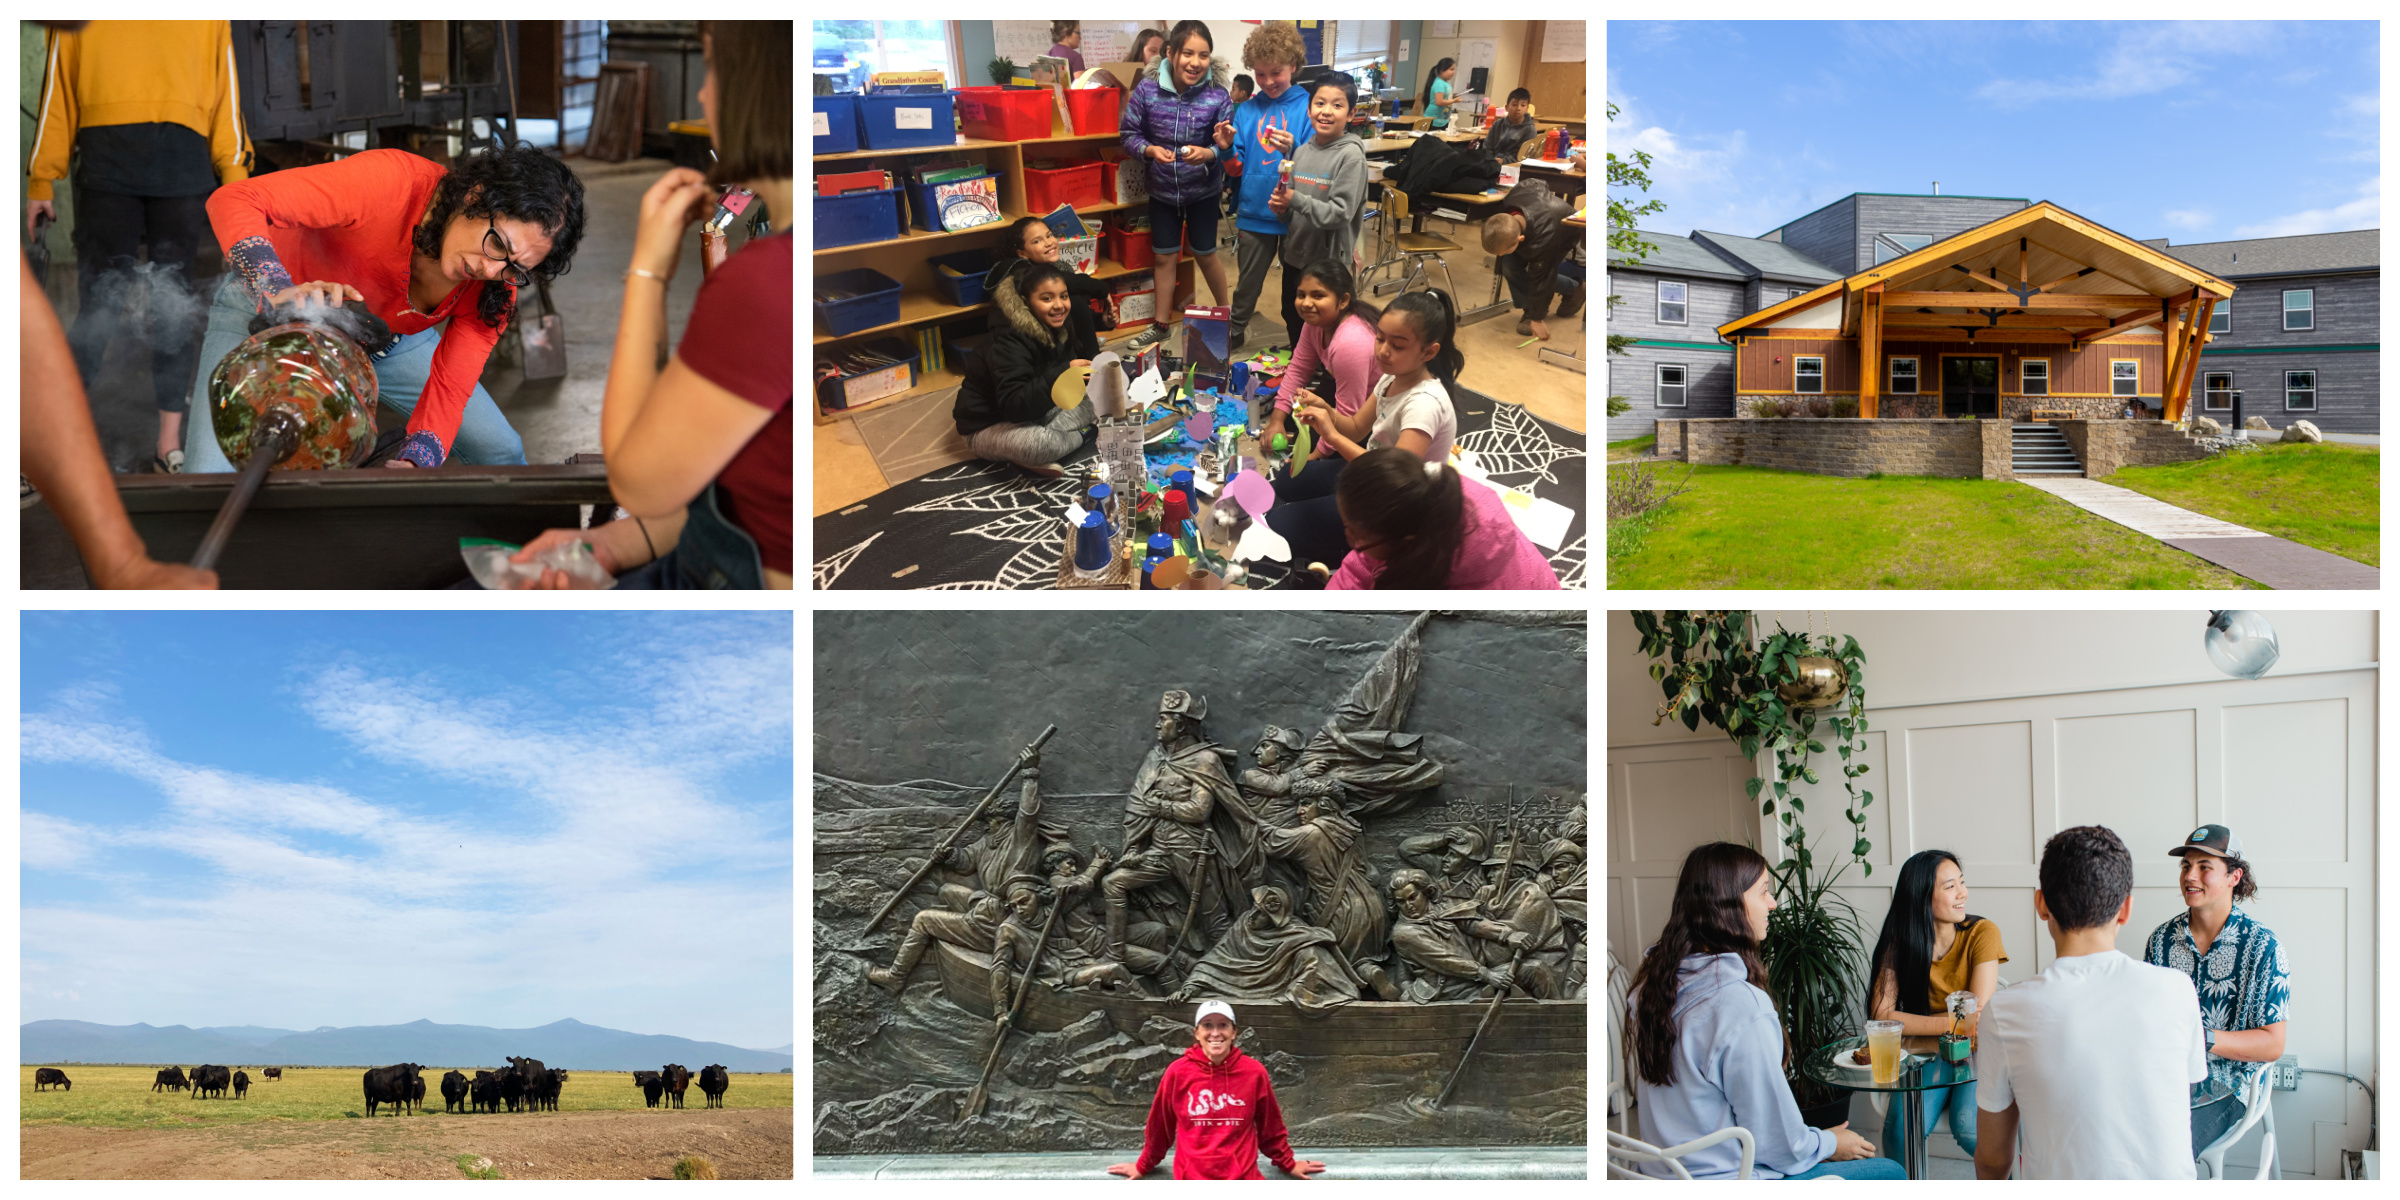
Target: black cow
{"points": [[677, 1080], [512, 1089], [454, 1092], [532, 1079], [551, 1087], [211, 1080], [171, 1080], [484, 1092], [714, 1082], [398, 1085], [53, 1077], [241, 1084], [651, 1086], [417, 1092], [274, 1073]]}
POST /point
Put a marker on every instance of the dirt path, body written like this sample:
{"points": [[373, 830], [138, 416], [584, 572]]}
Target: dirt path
{"points": [[742, 1143]]}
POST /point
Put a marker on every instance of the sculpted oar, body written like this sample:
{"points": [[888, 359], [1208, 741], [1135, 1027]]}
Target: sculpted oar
{"points": [[942, 851]]}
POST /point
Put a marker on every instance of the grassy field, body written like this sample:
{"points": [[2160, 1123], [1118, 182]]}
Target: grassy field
{"points": [[120, 1097], [2328, 496], [1632, 447], [1752, 527]]}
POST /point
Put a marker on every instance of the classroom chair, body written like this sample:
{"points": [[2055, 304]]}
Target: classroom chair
{"points": [[1626, 1153], [1415, 248], [2259, 1098]]}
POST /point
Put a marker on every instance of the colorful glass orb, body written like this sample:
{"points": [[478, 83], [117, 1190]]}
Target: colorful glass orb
{"points": [[323, 376]]}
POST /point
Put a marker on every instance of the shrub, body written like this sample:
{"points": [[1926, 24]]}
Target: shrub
{"points": [[1774, 407], [694, 1166], [1820, 407], [1846, 406], [1638, 488]]}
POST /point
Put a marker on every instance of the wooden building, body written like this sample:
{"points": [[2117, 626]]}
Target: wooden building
{"points": [[2303, 342]]}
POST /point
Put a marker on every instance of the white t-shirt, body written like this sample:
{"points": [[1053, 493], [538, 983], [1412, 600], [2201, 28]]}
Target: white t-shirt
{"points": [[2098, 1053], [1425, 407]]}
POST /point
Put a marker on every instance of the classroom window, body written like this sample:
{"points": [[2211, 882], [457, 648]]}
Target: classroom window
{"points": [[1672, 299], [1904, 377], [1808, 376], [2300, 391], [2300, 309], [1670, 385], [2221, 321], [2216, 390], [2033, 377], [2124, 377], [850, 51], [1889, 246], [1358, 43]]}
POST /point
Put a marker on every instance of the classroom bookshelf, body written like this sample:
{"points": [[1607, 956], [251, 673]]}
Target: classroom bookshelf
{"points": [[904, 258]]}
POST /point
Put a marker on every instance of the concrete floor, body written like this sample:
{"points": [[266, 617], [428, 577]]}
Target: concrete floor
{"points": [[1498, 365], [557, 417]]}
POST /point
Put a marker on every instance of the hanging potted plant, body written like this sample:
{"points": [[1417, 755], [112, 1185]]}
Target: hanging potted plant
{"points": [[1769, 697]]}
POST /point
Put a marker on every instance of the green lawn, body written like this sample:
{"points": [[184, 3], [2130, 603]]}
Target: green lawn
{"points": [[1754, 527], [2328, 496], [1632, 447]]}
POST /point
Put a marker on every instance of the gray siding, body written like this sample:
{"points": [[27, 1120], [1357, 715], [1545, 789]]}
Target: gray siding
{"points": [[1713, 302], [1708, 380], [2349, 312], [1828, 235], [2349, 386], [1940, 216], [1765, 293]]}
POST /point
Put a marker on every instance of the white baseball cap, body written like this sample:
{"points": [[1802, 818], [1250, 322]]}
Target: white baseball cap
{"points": [[1216, 1007]]}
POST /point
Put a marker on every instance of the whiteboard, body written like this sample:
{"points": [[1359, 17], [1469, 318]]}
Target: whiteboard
{"points": [[1473, 53], [1021, 42], [1562, 41]]}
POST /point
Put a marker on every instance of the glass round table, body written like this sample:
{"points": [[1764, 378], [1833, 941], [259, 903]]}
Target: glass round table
{"points": [[1921, 1070]]}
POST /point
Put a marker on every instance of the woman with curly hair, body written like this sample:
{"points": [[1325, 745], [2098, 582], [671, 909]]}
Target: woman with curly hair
{"points": [[437, 253]]}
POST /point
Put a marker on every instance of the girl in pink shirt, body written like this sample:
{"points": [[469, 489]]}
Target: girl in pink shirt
{"points": [[1337, 332], [1418, 524]]}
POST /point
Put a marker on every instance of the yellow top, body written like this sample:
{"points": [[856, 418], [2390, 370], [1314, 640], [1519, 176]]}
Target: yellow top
{"points": [[1977, 944], [135, 73]]}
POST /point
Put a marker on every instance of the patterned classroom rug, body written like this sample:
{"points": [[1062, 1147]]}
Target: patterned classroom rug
{"points": [[984, 526]]}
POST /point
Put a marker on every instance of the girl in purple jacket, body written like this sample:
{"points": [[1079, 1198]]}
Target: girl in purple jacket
{"points": [[1181, 132]]}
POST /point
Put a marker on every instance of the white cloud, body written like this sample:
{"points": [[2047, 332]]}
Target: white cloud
{"points": [[2145, 59], [2365, 212], [2186, 218]]}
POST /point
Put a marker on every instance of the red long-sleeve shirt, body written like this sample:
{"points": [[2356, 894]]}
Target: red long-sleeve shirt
{"points": [[1216, 1117], [350, 221]]}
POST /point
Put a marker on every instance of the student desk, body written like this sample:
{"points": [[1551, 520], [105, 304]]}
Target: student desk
{"points": [[1478, 206], [1564, 183]]}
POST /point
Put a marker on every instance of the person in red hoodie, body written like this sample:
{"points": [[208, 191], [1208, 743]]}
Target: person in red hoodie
{"points": [[1216, 1109]]}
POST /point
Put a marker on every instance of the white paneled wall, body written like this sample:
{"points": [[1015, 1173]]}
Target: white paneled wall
{"points": [[1970, 753]]}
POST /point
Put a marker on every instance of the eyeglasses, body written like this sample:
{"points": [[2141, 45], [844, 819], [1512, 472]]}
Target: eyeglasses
{"points": [[496, 248]]}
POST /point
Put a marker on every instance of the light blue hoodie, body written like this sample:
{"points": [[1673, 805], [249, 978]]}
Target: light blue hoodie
{"points": [[1728, 1071]]}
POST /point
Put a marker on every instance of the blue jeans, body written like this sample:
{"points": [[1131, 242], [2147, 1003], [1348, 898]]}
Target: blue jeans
{"points": [[1958, 1101], [2210, 1122], [1857, 1168], [485, 438]]}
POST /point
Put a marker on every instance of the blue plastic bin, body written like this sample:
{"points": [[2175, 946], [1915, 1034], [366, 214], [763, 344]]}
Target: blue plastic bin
{"points": [[965, 287], [879, 121], [859, 217], [877, 301], [924, 215], [841, 123]]}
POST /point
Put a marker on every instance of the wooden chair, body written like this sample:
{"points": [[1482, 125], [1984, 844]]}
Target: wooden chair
{"points": [[1415, 248]]}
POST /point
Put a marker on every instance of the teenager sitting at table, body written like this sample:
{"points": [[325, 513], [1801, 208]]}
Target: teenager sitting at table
{"points": [[1702, 1039], [2236, 966], [1931, 940], [2092, 1059]]}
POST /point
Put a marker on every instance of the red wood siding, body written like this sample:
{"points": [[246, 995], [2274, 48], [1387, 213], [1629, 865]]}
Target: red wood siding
{"points": [[1766, 364], [2077, 373]]}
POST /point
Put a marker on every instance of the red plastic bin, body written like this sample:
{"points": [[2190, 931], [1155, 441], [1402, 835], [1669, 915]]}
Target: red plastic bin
{"points": [[1093, 110], [1004, 114], [1131, 247], [1078, 185]]}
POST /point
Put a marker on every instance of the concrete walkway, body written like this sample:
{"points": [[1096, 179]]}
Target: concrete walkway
{"points": [[2279, 563], [1424, 1162]]}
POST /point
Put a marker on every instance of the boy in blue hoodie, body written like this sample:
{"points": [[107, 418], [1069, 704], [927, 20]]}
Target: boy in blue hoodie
{"points": [[1265, 129]]}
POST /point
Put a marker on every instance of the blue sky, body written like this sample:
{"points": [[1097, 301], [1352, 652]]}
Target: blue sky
{"points": [[298, 819], [2195, 131]]}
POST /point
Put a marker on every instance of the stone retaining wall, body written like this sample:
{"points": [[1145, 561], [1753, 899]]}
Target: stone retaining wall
{"points": [[1830, 446], [2104, 446]]}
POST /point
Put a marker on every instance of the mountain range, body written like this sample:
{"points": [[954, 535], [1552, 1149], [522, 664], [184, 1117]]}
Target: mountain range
{"points": [[569, 1044]]}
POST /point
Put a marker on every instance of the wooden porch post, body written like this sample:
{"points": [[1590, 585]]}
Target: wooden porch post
{"points": [[1870, 350], [2178, 336], [2189, 359]]}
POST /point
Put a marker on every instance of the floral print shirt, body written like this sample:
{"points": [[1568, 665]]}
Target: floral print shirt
{"points": [[2243, 981]]}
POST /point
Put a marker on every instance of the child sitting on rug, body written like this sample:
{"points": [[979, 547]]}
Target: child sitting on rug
{"points": [[1004, 408], [1418, 524], [1336, 351], [1416, 351], [1031, 239]]}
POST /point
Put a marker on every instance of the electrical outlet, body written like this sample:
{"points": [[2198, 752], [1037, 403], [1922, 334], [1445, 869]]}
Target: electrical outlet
{"points": [[2287, 1073]]}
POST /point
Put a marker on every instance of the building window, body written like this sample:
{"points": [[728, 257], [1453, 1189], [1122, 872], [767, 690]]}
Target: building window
{"points": [[1358, 43], [1808, 375], [1670, 385], [1904, 377], [1889, 246], [1672, 299], [2124, 377], [2216, 391], [2221, 321], [2033, 377], [1797, 293], [2300, 309], [2300, 391]]}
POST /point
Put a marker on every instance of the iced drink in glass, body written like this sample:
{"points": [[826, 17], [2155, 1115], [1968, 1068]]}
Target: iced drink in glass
{"points": [[1883, 1049]]}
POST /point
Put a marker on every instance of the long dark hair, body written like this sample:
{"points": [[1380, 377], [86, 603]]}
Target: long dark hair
{"points": [[1175, 40], [1434, 317], [1143, 39], [1412, 507], [522, 184], [1707, 918], [1016, 235], [1906, 947], [1425, 99], [1335, 275]]}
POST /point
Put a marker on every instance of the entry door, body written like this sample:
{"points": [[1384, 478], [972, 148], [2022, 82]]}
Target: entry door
{"points": [[1971, 387]]}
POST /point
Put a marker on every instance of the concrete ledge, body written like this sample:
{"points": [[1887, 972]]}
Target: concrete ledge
{"points": [[1418, 1162]]}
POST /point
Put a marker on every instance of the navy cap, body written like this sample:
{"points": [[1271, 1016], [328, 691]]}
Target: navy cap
{"points": [[2215, 839]]}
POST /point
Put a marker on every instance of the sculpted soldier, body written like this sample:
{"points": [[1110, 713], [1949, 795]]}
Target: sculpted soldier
{"points": [[1449, 858], [1515, 900], [1269, 955], [1081, 938], [1013, 950], [968, 916], [1174, 829], [1443, 942], [1268, 786], [1325, 844]]}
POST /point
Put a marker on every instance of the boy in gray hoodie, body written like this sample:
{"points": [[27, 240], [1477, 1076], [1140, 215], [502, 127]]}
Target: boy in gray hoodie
{"points": [[1326, 190]]}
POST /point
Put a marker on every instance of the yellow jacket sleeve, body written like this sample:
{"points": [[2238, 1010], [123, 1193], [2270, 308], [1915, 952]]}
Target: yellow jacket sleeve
{"points": [[54, 135], [228, 137]]}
